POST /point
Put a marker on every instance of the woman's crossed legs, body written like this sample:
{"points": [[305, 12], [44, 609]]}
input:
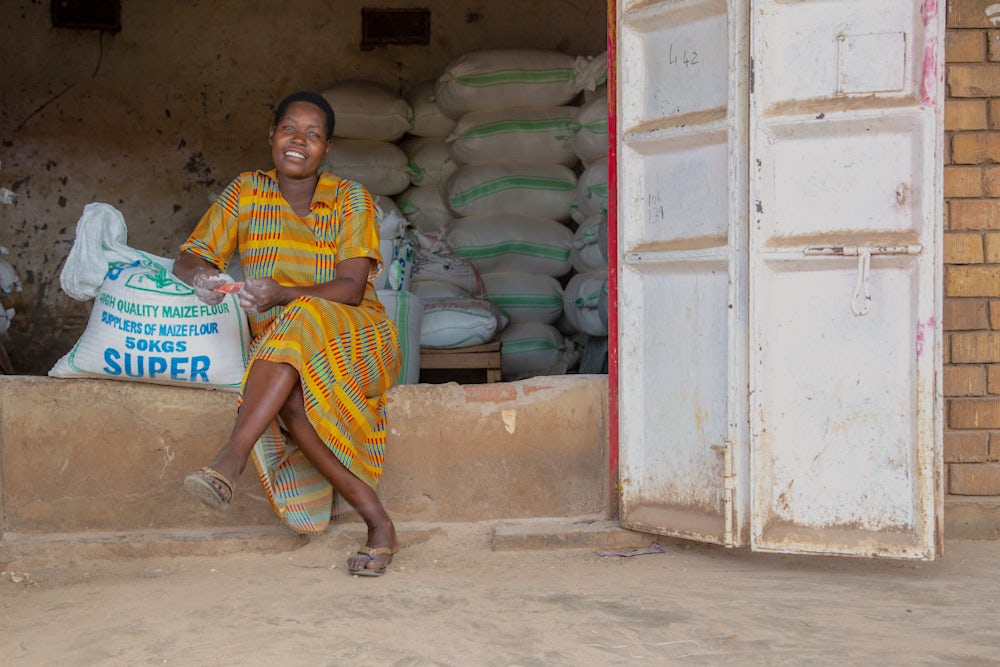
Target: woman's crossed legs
{"points": [[273, 389]]}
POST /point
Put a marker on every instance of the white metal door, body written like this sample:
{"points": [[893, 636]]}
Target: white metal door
{"points": [[845, 120], [682, 276]]}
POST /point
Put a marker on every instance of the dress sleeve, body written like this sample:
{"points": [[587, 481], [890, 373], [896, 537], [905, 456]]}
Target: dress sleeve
{"points": [[359, 226], [214, 239]]}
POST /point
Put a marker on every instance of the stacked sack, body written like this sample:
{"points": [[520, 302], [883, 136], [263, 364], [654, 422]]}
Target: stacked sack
{"points": [[493, 190], [428, 163], [585, 299], [456, 312], [145, 324], [370, 119], [394, 283], [511, 196]]}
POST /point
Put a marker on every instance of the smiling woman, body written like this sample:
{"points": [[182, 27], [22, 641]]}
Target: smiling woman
{"points": [[324, 351]]}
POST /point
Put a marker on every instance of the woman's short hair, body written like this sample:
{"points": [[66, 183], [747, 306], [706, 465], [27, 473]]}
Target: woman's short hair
{"points": [[312, 98]]}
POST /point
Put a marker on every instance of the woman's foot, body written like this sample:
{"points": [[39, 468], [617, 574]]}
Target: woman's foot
{"points": [[372, 559], [211, 487]]}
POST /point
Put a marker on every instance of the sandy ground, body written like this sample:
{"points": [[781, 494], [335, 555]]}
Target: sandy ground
{"points": [[448, 599]]}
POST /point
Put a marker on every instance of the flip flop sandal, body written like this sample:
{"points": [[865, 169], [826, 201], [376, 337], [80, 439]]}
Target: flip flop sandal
{"points": [[210, 487], [372, 553]]}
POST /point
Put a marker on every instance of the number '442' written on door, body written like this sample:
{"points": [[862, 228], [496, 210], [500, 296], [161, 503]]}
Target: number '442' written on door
{"points": [[686, 57]]}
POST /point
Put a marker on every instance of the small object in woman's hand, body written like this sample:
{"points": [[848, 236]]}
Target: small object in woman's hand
{"points": [[229, 288]]}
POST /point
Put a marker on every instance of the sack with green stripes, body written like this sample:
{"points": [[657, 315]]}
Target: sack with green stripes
{"points": [[428, 121], [429, 161], [507, 78], [533, 348], [380, 166], [517, 243], [406, 311], [591, 191], [585, 302], [525, 297], [453, 323], [517, 188], [523, 135], [590, 125]]}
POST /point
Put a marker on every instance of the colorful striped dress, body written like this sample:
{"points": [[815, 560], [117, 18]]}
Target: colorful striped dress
{"points": [[347, 357]]}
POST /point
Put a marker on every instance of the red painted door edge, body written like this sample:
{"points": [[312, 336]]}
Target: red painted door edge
{"points": [[613, 444]]}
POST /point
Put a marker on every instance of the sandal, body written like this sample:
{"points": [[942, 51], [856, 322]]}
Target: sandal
{"points": [[372, 553], [210, 487]]}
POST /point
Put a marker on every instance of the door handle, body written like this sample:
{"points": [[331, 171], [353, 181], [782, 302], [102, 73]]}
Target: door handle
{"points": [[861, 300]]}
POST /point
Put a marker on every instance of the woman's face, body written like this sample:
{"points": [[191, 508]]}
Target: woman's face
{"points": [[298, 141]]}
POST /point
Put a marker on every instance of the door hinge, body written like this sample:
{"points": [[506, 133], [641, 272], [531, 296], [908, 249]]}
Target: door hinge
{"points": [[728, 489]]}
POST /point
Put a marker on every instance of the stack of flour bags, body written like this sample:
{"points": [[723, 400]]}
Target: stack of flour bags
{"points": [[497, 222], [370, 120], [585, 300], [514, 192]]}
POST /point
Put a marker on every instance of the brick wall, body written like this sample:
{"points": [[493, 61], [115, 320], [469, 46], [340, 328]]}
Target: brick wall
{"points": [[972, 250]]}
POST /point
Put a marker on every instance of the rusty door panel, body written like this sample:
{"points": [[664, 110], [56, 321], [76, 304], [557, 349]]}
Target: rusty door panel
{"points": [[845, 275], [682, 209]]}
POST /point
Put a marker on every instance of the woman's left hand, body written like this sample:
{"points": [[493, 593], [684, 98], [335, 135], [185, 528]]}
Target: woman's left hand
{"points": [[261, 294]]}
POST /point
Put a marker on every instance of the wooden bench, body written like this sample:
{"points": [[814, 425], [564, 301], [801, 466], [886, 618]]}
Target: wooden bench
{"points": [[484, 357]]}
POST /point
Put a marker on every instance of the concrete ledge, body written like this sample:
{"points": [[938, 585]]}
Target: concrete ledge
{"points": [[34, 550], [63, 548], [80, 454], [588, 532], [102, 455], [971, 518]]}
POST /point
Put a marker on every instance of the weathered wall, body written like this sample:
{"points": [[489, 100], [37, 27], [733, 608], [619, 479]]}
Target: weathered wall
{"points": [[972, 251], [156, 118]]}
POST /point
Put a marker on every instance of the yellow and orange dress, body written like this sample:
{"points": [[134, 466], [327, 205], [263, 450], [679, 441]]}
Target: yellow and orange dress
{"points": [[347, 357]]}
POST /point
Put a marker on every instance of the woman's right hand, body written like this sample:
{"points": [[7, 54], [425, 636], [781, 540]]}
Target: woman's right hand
{"points": [[204, 285], [261, 294]]}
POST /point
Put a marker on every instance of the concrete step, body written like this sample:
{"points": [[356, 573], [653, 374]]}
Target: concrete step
{"points": [[971, 518], [588, 532], [32, 549], [102, 455]]}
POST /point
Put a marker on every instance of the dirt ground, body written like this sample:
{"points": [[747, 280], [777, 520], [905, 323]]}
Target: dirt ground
{"points": [[448, 599]]}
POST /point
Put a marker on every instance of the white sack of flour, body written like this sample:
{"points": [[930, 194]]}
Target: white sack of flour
{"points": [[368, 110], [428, 121], [590, 140], [452, 323], [406, 311], [145, 325], [148, 326], [380, 166], [524, 135], [505, 78], [512, 188]]}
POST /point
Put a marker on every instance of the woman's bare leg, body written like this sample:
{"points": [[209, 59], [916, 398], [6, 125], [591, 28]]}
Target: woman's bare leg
{"points": [[267, 389], [381, 531], [272, 389]]}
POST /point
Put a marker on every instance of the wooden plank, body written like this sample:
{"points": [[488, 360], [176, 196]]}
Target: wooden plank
{"points": [[434, 359], [485, 357]]}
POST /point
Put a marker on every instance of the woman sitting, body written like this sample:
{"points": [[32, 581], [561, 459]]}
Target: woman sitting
{"points": [[312, 409]]}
